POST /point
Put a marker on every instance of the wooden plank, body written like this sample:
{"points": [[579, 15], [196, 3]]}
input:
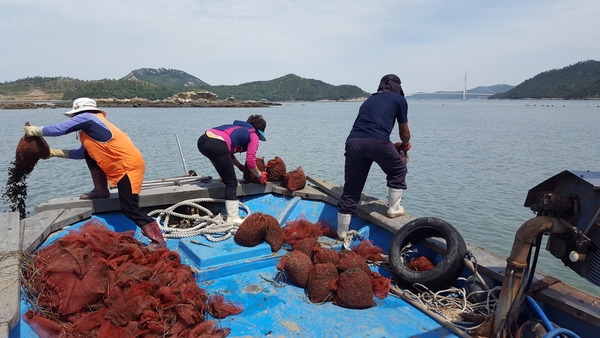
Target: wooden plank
{"points": [[10, 244], [157, 196], [4, 329], [10, 239], [39, 226]]}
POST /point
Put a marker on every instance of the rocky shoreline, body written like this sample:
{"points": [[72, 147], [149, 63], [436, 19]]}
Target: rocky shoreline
{"points": [[186, 99]]}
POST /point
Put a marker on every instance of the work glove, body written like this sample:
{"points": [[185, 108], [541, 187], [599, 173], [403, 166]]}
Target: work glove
{"points": [[404, 157], [405, 147], [263, 178], [64, 153], [33, 131]]}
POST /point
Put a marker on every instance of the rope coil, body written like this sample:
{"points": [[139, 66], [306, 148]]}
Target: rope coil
{"points": [[208, 225]]}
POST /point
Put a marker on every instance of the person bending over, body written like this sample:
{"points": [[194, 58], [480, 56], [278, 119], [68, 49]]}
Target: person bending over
{"points": [[219, 145], [111, 157]]}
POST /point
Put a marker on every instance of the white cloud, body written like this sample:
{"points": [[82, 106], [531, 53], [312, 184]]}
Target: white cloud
{"points": [[429, 44]]}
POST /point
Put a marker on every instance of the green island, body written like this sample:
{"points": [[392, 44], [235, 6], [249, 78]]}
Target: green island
{"points": [[150, 87]]}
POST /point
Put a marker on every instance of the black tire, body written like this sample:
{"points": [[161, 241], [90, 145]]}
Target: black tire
{"points": [[445, 273]]}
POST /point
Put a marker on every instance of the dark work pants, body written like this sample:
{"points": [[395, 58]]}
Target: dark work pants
{"points": [[129, 202], [218, 153], [360, 154]]}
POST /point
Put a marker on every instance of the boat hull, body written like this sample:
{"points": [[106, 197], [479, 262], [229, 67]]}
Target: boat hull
{"points": [[249, 275]]}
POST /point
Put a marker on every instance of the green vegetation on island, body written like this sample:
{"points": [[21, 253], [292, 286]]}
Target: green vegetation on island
{"points": [[580, 81], [160, 84]]}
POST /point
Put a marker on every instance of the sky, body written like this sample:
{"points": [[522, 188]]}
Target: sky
{"points": [[429, 44]]}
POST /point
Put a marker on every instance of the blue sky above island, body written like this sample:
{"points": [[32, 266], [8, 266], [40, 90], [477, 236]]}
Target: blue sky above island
{"points": [[429, 44]]}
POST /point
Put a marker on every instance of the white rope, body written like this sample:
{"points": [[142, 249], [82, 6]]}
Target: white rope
{"points": [[453, 303], [208, 226]]}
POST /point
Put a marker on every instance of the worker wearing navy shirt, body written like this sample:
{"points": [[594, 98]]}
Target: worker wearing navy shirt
{"points": [[369, 141]]}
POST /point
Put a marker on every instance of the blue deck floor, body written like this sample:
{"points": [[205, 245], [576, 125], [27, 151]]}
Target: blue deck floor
{"points": [[247, 275]]}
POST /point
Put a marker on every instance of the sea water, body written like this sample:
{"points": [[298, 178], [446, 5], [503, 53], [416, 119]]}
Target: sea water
{"points": [[471, 164]]}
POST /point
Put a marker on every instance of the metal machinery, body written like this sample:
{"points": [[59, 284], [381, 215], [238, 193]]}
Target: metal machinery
{"points": [[574, 198], [567, 208]]}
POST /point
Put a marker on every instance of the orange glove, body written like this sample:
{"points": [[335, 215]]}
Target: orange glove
{"points": [[263, 178]]}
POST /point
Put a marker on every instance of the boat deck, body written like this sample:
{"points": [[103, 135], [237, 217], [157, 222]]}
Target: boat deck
{"points": [[260, 292]]}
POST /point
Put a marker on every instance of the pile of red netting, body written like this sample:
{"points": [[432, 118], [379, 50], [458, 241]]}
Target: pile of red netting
{"points": [[343, 277], [96, 282]]}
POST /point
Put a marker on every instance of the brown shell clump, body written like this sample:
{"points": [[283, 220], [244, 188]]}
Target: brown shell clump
{"points": [[344, 277], [353, 290], [275, 169], [295, 179], [274, 235], [297, 266], [29, 151], [326, 256], [249, 176], [350, 261], [252, 231], [257, 228], [307, 246], [319, 279]]}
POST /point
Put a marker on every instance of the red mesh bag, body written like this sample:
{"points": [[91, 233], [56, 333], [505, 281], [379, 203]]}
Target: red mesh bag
{"points": [[253, 230], [380, 285], [349, 261], [296, 266], [353, 290], [326, 256], [295, 179], [275, 169], [307, 246], [347, 253], [29, 151], [420, 263], [368, 251], [249, 176], [319, 279], [274, 235], [219, 308]]}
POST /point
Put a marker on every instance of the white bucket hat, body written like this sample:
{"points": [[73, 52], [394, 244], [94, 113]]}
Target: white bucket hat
{"points": [[83, 104]]}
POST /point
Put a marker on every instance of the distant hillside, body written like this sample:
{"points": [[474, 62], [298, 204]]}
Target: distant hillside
{"points": [[580, 81], [64, 88], [159, 84], [481, 92], [167, 78], [289, 88]]}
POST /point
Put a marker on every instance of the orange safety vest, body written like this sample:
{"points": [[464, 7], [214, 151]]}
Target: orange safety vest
{"points": [[116, 157]]}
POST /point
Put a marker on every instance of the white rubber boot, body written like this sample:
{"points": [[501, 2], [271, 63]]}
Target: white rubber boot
{"points": [[232, 207], [343, 225], [394, 207]]}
